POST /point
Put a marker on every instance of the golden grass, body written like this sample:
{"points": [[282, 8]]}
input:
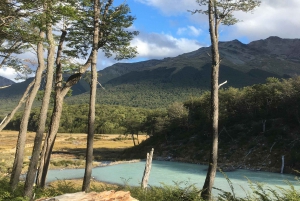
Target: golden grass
{"points": [[70, 141], [67, 147], [77, 183]]}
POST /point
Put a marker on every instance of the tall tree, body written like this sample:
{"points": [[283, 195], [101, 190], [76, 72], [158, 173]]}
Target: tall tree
{"points": [[114, 38], [31, 173], [19, 155], [219, 12], [91, 123]]}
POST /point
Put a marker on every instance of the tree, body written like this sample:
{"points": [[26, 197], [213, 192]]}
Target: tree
{"points": [[219, 12], [31, 173], [91, 123], [19, 155], [20, 147], [114, 38], [133, 125]]}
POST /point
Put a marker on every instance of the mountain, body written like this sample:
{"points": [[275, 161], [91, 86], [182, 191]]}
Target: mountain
{"points": [[5, 82], [157, 83], [242, 65]]}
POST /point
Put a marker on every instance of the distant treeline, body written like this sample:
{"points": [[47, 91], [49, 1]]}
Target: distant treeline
{"points": [[150, 95], [109, 119], [275, 99]]}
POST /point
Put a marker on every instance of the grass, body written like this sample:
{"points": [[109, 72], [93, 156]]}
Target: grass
{"points": [[182, 191], [68, 151]]}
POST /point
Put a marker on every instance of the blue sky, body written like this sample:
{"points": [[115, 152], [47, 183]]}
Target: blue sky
{"points": [[167, 29]]}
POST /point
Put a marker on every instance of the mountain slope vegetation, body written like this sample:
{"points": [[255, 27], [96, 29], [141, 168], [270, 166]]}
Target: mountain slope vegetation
{"points": [[158, 83]]}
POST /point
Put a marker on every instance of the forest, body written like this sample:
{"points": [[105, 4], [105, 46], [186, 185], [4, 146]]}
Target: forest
{"points": [[278, 98]]}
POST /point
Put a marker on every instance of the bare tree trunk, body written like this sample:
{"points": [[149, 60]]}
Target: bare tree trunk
{"points": [[49, 142], [213, 159], [60, 93], [22, 100], [132, 135], [137, 137], [147, 169], [264, 125], [31, 174], [282, 164], [56, 113], [91, 127], [20, 148]]}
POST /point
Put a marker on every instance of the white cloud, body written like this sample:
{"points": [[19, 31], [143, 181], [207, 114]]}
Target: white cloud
{"points": [[153, 45], [181, 30], [8, 73], [189, 30], [272, 18]]}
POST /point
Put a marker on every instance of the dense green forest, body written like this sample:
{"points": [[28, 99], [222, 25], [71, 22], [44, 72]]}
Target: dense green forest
{"points": [[109, 119], [258, 124], [149, 95], [276, 99]]}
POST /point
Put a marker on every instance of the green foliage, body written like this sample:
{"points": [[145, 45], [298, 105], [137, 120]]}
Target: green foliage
{"points": [[114, 38], [7, 195], [223, 10], [109, 119], [275, 99], [180, 191]]}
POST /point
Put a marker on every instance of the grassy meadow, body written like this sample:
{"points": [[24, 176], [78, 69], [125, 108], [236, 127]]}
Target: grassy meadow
{"points": [[67, 148]]}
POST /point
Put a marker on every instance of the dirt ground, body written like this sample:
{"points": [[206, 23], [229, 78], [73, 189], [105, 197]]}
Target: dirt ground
{"points": [[69, 149]]}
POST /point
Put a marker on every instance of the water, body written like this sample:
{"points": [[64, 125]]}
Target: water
{"points": [[169, 172]]}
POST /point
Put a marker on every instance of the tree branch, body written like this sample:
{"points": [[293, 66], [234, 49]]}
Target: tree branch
{"points": [[222, 83]]}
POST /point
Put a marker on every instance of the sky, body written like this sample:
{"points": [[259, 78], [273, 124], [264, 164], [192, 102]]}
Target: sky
{"points": [[167, 29]]}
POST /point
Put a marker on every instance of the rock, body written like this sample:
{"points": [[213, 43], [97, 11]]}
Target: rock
{"points": [[93, 196]]}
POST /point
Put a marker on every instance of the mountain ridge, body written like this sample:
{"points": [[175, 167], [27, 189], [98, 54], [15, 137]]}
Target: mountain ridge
{"points": [[4, 82], [241, 65]]}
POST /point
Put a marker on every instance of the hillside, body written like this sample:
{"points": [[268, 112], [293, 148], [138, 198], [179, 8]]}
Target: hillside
{"points": [[5, 82], [258, 125], [157, 83], [10, 96]]}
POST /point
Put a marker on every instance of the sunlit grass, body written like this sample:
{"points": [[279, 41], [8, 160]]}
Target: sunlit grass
{"points": [[69, 149]]}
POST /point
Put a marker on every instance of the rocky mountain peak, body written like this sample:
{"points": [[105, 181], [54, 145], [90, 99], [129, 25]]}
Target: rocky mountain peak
{"points": [[284, 48], [233, 43]]}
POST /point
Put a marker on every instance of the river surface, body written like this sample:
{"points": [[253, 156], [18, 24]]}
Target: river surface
{"points": [[164, 172]]}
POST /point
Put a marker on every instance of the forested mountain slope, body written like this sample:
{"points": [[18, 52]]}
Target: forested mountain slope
{"points": [[157, 83]]}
